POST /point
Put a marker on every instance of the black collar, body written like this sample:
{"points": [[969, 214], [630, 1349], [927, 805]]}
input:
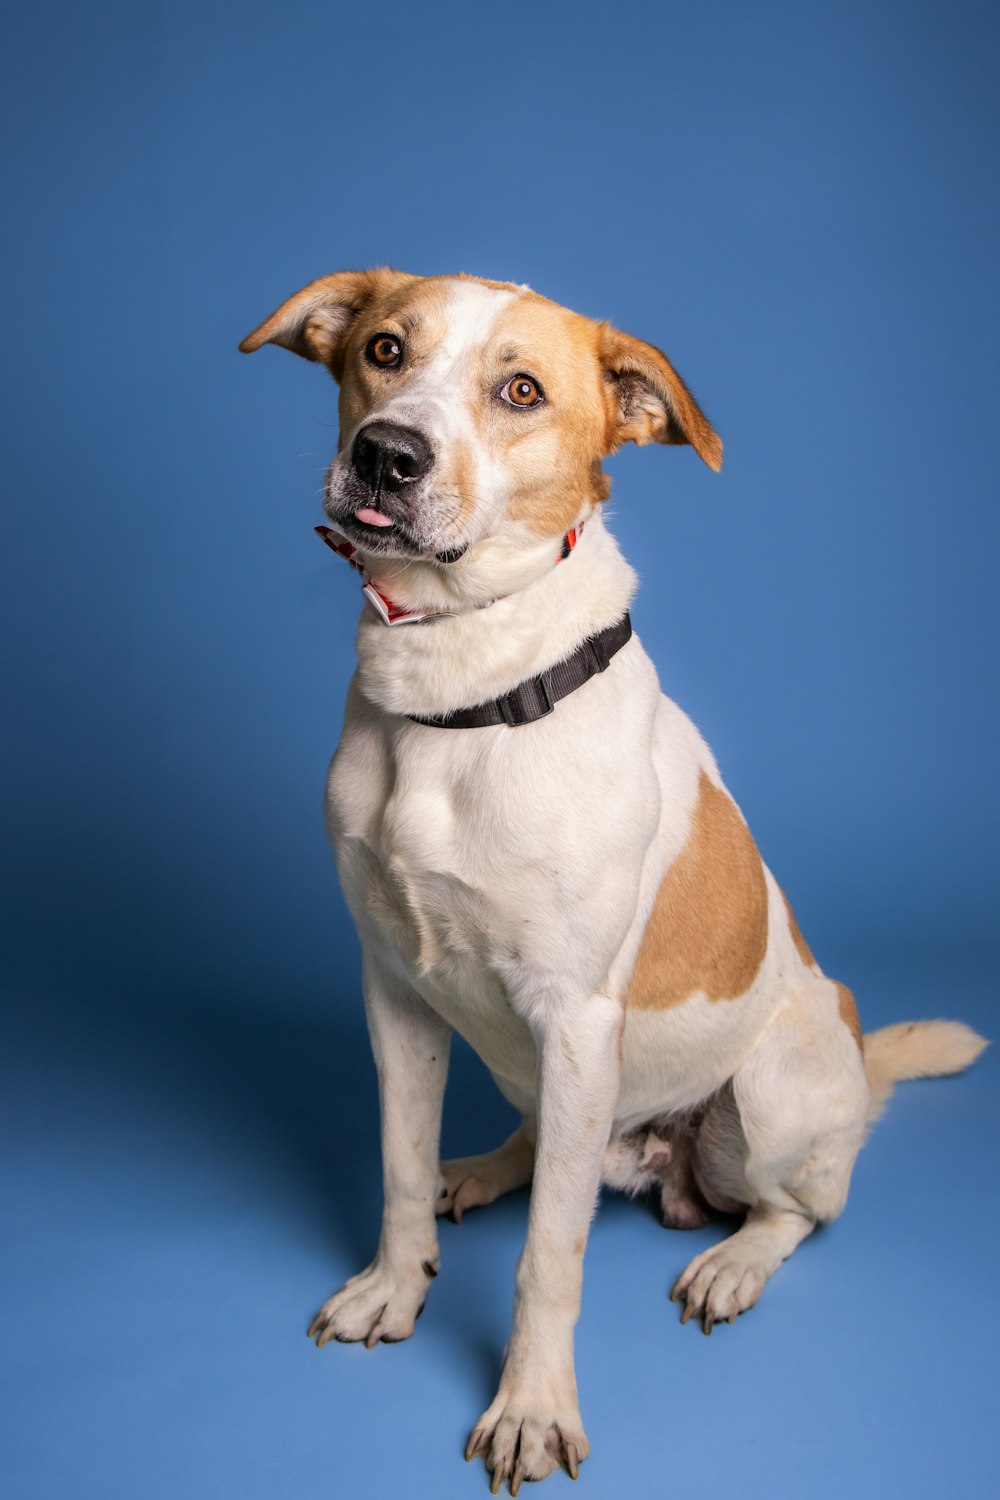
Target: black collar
{"points": [[537, 696]]}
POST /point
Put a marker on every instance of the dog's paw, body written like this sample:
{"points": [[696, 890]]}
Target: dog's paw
{"points": [[463, 1189], [525, 1436], [474, 1181], [720, 1283], [378, 1306]]}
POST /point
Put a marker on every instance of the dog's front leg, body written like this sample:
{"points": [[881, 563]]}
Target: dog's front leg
{"points": [[411, 1045], [534, 1424]]}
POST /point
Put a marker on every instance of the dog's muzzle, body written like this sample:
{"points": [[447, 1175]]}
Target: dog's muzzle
{"points": [[388, 458]]}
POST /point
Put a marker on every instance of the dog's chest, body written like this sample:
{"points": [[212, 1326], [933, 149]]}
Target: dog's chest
{"points": [[412, 862], [467, 856], [442, 866]]}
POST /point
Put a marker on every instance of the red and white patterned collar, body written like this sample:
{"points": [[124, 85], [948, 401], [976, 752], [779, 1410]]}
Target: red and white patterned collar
{"points": [[391, 613]]}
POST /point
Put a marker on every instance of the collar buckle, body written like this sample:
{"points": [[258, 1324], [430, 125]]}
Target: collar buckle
{"points": [[529, 701]]}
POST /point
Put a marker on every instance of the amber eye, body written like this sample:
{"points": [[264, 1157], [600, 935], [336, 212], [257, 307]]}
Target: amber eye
{"points": [[384, 350], [521, 391]]}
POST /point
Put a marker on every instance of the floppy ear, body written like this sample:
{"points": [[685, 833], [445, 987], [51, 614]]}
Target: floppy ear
{"points": [[653, 403], [316, 321]]}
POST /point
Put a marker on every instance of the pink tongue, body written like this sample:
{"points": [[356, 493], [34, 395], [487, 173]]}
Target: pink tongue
{"points": [[372, 517]]}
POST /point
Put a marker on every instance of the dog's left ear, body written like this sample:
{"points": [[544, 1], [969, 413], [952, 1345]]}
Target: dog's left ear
{"points": [[652, 403], [316, 321]]}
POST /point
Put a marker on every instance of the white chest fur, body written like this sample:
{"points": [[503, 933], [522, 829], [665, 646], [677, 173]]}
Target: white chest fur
{"points": [[493, 867], [470, 854]]}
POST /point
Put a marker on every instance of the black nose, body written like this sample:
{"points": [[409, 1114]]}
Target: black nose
{"points": [[388, 457]]}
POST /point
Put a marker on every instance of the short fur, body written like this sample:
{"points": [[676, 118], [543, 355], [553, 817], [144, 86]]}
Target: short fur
{"points": [[579, 897]]}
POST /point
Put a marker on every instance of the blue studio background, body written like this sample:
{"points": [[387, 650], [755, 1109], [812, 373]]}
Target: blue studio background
{"points": [[797, 202]]}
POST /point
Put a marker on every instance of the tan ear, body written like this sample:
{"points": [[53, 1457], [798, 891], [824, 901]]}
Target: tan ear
{"points": [[316, 321], [653, 403]]}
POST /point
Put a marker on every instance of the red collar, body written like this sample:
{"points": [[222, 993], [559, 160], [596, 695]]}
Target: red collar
{"points": [[391, 613]]}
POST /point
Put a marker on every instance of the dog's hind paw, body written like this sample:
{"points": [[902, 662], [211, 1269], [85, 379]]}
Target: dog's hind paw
{"points": [[725, 1280], [474, 1181], [718, 1285]]}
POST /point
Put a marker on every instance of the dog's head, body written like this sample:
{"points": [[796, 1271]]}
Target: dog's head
{"points": [[474, 411]]}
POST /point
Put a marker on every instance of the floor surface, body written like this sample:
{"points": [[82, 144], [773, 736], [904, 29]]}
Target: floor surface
{"points": [[184, 1185]]}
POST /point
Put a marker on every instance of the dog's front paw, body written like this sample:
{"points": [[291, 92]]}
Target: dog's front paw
{"points": [[379, 1305], [525, 1435]]}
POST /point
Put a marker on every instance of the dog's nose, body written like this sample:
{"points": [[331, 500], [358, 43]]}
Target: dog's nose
{"points": [[388, 457]]}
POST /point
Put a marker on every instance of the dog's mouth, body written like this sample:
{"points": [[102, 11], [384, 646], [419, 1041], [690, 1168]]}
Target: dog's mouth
{"points": [[367, 516], [378, 532]]}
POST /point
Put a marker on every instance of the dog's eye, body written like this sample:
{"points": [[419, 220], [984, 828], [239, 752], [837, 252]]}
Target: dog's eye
{"points": [[522, 391], [384, 350]]}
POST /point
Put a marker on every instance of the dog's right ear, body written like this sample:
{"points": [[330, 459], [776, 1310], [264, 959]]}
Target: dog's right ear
{"points": [[316, 321]]}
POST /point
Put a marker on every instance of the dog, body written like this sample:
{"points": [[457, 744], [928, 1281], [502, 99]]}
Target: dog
{"points": [[538, 849]]}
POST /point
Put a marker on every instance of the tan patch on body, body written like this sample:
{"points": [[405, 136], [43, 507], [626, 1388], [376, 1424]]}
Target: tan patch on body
{"points": [[849, 1013], [707, 932], [804, 950]]}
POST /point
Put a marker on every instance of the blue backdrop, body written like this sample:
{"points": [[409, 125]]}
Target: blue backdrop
{"points": [[798, 203]]}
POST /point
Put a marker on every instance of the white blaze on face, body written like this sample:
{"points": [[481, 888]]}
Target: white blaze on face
{"points": [[438, 401]]}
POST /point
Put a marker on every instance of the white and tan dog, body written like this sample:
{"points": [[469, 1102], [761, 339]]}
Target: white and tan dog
{"points": [[575, 893]]}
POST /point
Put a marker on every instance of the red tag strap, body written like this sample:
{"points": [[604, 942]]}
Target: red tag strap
{"points": [[390, 612], [338, 544]]}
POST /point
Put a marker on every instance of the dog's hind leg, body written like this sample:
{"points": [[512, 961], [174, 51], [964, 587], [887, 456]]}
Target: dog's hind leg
{"points": [[781, 1140], [474, 1181]]}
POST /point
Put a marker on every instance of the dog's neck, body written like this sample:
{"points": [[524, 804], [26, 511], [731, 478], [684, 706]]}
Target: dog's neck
{"points": [[458, 661]]}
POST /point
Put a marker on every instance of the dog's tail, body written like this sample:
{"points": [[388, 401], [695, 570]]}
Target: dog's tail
{"points": [[916, 1049]]}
